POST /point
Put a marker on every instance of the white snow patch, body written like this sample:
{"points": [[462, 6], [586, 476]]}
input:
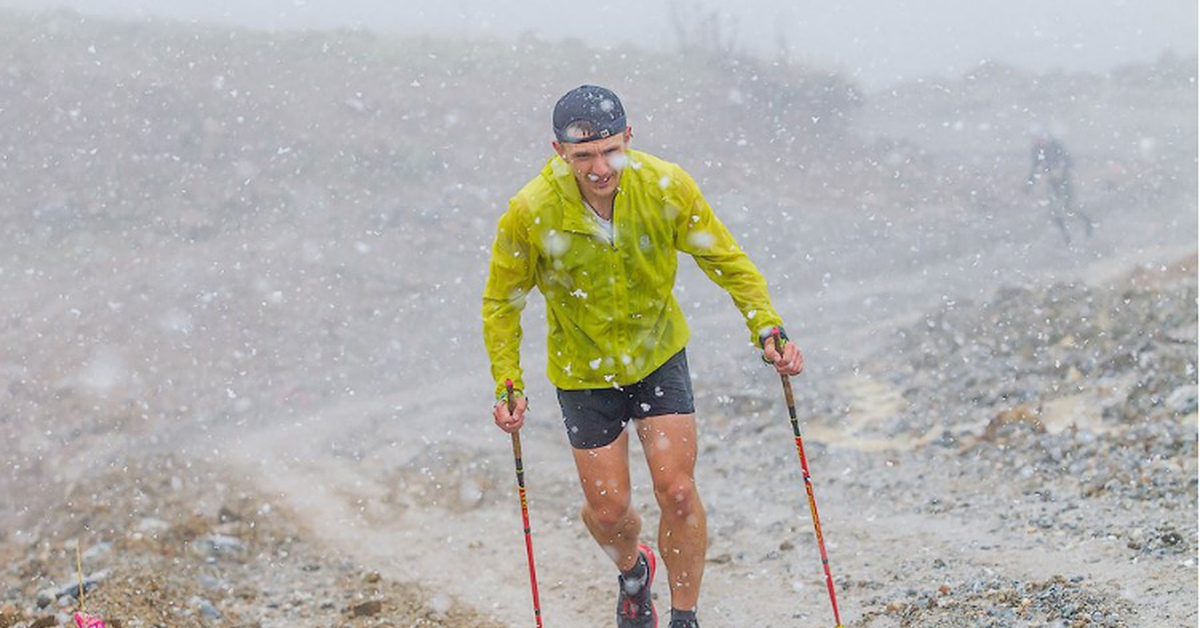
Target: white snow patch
{"points": [[701, 239]]}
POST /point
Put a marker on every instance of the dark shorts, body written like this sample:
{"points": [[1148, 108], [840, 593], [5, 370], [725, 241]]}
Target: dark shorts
{"points": [[595, 418]]}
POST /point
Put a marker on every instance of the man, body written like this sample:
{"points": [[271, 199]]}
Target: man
{"points": [[1050, 162], [597, 233]]}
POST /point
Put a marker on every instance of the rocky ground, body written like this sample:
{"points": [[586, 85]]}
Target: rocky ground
{"points": [[168, 541], [1040, 485]]}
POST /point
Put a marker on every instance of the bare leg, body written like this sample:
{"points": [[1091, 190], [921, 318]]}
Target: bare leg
{"points": [[670, 445], [607, 513]]}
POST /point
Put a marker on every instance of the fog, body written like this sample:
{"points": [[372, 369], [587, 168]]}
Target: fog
{"points": [[243, 247], [877, 43]]}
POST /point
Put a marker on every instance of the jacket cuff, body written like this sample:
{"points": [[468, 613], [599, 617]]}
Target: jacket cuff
{"points": [[766, 334]]}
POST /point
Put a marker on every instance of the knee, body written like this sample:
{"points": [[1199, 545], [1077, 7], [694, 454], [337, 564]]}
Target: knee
{"points": [[608, 511], [678, 496]]}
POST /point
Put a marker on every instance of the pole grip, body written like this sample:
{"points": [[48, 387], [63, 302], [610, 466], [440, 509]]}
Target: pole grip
{"points": [[516, 436], [777, 338]]}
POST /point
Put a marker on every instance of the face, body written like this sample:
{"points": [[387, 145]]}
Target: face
{"points": [[597, 165]]}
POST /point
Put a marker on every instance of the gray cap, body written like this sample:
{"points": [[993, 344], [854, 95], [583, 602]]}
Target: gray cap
{"points": [[588, 113]]}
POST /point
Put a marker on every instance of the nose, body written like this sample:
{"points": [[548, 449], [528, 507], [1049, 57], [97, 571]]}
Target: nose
{"points": [[601, 167]]}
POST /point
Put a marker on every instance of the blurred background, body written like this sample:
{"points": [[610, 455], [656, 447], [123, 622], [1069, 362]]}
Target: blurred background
{"points": [[190, 187], [876, 45]]}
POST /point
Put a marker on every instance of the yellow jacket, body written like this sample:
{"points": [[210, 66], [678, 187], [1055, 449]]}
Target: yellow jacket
{"points": [[612, 317]]}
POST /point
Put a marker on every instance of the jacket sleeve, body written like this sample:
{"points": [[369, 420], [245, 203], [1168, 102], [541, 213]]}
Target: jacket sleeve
{"points": [[701, 234], [510, 278]]}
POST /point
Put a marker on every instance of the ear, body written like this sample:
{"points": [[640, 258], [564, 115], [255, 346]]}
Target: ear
{"points": [[628, 135]]}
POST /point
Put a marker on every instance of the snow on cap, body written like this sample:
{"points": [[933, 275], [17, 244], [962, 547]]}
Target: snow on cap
{"points": [[588, 113]]}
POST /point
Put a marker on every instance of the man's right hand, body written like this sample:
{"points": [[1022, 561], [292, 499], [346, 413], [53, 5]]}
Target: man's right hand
{"points": [[510, 422]]}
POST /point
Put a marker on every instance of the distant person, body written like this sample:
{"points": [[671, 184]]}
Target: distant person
{"points": [[598, 232], [1051, 166]]}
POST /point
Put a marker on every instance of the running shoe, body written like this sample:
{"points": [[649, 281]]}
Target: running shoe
{"points": [[637, 610]]}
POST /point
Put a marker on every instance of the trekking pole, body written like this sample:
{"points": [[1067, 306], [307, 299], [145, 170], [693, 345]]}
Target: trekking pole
{"points": [[812, 502], [516, 445]]}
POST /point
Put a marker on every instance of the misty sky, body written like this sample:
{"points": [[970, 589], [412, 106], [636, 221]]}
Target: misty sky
{"points": [[876, 41]]}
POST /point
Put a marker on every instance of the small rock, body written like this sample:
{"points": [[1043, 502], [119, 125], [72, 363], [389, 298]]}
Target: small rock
{"points": [[45, 597], [721, 559], [9, 615], [1183, 400], [372, 578], [225, 515], [206, 608], [787, 546], [71, 591], [45, 621], [218, 545], [367, 609], [211, 583], [1171, 537]]}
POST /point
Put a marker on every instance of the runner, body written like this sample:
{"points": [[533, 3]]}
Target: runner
{"points": [[1051, 163], [597, 233]]}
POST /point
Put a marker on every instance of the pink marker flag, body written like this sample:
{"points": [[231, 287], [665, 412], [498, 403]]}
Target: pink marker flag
{"points": [[83, 620]]}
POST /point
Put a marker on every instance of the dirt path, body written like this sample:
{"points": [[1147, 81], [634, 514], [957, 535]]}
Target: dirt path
{"points": [[443, 512], [455, 528]]}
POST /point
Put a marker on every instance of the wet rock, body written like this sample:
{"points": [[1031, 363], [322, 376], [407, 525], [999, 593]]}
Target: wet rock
{"points": [[218, 546], [71, 591], [369, 608], [1182, 400], [205, 608], [45, 597], [227, 515], [9, 615]]}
